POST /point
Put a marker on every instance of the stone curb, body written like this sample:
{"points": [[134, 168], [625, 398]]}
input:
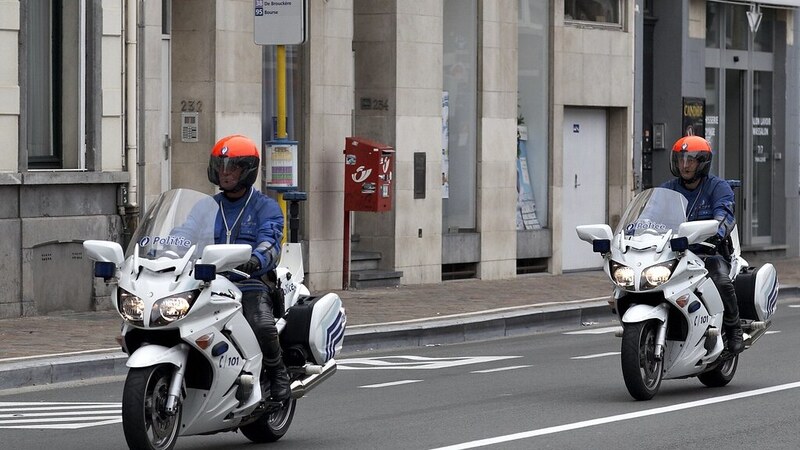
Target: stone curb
{"points": [[483, 325], [479, 326]]}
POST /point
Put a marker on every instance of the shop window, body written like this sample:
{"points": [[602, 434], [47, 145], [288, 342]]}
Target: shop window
{"points": [[532, 114], [763, 39], [598, 11], [55, 84], [713, 21], [459, 116]]}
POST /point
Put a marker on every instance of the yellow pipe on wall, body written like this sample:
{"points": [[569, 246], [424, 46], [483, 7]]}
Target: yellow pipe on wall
{"points": [[280, 85]]}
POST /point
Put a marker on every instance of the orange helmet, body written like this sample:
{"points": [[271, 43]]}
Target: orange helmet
{"points": [[235, 150], [691, 147]]}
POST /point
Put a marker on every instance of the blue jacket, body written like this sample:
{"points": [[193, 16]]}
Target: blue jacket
{"points": [[259, 224], [712, 199]]}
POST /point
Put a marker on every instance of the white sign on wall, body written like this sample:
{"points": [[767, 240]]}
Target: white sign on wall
{"points": [[279, 22]]}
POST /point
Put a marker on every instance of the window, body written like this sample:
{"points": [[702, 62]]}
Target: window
{"points": [[599, 11], [460, 81], [55, 83], [533, 106]]}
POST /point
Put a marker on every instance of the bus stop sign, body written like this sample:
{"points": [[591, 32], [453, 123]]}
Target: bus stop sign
{"points": [[280, 22]]}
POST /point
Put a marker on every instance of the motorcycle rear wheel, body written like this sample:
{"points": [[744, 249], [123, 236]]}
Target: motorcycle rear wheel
{"points": [[145, 422], [271, 426], [720, 375], [641, 370]]}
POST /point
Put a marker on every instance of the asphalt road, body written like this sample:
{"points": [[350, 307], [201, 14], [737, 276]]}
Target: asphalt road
{"points": [[556, 390]]}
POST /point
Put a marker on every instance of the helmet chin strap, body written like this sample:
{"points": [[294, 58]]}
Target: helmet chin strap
{"points": [[238, 189]]}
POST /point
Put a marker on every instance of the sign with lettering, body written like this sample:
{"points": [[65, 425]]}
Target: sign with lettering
{"points": [[280, 22], [694, 116]]}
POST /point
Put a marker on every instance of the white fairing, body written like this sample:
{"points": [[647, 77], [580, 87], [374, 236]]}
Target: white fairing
{"points": [[326, 333]]}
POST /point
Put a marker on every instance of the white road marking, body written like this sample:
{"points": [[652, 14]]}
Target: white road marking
{"points": [[58, 408], [619, 417], [500, 369], [54, 414], [78, 404], [773, 332], [602, 330], [794, 306], [598, 355], [58, 415], [414, 362], [392, 383], [65, 426]]}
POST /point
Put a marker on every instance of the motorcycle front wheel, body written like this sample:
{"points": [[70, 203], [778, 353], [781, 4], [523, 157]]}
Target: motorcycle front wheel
{"points": [[641, 369], [145, 421], [271, 426]]}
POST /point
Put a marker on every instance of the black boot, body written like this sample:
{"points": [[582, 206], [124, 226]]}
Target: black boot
{"points": [[734, 335], [279, 382]]}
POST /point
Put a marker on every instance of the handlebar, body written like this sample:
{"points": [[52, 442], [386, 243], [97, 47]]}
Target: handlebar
{"points": [[244, 275]]}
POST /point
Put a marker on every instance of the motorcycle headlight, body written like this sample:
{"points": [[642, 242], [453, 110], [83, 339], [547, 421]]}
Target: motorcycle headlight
{"points": [[170, 309], [657, 275], [622, 275], [130, 307]]}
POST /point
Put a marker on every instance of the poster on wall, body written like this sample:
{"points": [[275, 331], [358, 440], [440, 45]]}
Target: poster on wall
{"points": [[526, 206], [445, 144], [693, 117]]}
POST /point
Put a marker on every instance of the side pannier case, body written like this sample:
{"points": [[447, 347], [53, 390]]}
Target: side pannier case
{"points": [[316, 324], [757, 292]]}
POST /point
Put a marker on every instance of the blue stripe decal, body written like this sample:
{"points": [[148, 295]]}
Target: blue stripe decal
{"points": [[334, 334], [772, 305]]}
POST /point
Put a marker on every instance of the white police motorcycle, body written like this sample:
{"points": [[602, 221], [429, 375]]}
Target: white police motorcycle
{"points": [[194, 361], [670, 310]]}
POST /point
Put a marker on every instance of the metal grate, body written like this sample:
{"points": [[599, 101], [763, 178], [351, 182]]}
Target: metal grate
{"points": [[459, 271]]}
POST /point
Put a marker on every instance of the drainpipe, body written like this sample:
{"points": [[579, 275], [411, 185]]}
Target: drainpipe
{"points": [[131, 213]]}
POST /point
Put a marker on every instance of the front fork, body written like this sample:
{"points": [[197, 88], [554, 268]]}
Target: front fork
{"points": [[661, 340], [173, 396]]}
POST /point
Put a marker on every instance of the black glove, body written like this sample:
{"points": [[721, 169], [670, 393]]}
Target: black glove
{"points": [[250, 266]]}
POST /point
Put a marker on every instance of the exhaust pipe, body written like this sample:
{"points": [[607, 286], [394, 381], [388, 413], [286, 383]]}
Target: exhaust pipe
{"points": [[319, 374]]}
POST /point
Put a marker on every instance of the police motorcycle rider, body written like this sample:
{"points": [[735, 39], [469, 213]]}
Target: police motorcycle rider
{"points": [[709, 197], [247, 216]]}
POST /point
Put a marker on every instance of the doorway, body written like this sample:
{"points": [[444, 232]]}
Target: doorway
{"points": [[584, 183], [739, 119]]}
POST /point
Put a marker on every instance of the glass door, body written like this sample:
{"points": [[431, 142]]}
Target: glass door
{"points": [[739, 117], [762, 159], [733, 139]]}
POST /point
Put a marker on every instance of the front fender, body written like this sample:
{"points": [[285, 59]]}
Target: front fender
{"points": [[151, 355], [643, 313]]}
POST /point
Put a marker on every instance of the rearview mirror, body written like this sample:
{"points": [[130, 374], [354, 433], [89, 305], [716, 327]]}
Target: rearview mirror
{"points": [[590, 233], [104, 251], [698, 230], [226, 256]]}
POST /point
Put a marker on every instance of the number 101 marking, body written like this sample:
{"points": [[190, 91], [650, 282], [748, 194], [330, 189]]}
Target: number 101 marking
{"points": [[230, 361], [700, 320]]}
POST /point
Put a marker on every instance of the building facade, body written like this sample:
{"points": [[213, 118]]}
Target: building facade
{"points": [[728, 71], [512, 122]]}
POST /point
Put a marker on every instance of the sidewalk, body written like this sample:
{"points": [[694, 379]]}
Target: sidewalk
{"points": [[32, 349]]}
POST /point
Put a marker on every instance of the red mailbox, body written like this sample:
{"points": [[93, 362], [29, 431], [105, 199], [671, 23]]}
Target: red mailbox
{"points": [[368, 168]]}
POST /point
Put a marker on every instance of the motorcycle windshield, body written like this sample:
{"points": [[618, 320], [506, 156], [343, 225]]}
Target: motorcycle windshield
{"points": [[655, 210], [180, 220]]}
